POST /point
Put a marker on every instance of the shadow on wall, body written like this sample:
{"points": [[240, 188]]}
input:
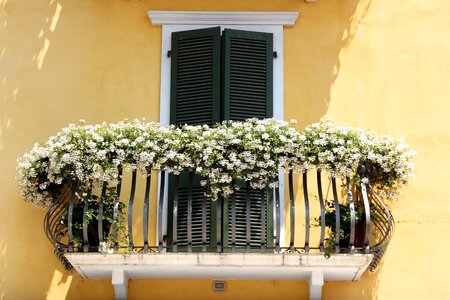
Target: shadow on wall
{"points": [[27, 264], [312, 55], [312, 64], [365, 288]]}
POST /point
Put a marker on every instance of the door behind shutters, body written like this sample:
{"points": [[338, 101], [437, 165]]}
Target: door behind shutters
{"points": [[195, 100], [248, 93]]}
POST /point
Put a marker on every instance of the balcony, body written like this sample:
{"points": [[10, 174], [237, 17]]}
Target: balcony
{"points": [[242, 200], [171, 230]]}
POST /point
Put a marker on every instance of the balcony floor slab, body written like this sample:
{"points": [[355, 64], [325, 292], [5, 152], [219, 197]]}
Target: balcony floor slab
{"points": [[221, 266]]}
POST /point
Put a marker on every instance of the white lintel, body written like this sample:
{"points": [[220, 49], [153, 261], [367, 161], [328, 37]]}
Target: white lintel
{"points": [[165, 17]]}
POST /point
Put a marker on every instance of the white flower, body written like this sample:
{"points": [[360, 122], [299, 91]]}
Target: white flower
{"points": [[252, 150]]}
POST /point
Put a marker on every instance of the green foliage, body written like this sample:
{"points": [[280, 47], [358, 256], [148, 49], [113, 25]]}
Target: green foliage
{"points": [[345, 224], [91, 217]]}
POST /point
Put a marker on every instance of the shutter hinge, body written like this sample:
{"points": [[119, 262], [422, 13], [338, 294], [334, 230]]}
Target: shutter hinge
{"points": [[169, 53], [275, 54]]}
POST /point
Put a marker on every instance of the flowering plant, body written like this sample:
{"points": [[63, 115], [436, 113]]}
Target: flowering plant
{"points": [[341, 150], [254, 150]]}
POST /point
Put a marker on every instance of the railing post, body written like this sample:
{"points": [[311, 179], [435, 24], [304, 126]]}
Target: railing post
{"points": [[146, 208], [116, 209], [352, 216], [233, 221], [307, 214], [277, 219], [204, 238], [85, 228], [248, 216], [70, 215], [337, 215], [219, 224], [291, 211], [189, 211], [160, 210], [263, 221], [100, 213], [130, 211], [363, 175], [322, 212], [175, 213]]}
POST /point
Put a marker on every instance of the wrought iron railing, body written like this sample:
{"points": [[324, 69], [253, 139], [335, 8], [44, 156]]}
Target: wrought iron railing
{"points": [[362, 222]]}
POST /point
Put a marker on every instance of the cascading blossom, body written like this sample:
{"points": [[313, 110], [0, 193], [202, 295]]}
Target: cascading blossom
{"points": [[225, 155], [341, 150], [254, 150]]}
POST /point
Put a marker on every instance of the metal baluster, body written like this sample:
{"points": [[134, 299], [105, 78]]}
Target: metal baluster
{"points": [[338, 215], [277, 219], [263, 220], [291, 211], [176, 187], [52, 218], [219, 224], [70, 215], [307, 213], [233, 221], [322, 212], [389, 225], [352, 216], [189, 210], [367, 213], [160, 211], [146, 204], [85, 227], [204, 238], [248, 216], [116, 209], [130, 211], [100, 213]]}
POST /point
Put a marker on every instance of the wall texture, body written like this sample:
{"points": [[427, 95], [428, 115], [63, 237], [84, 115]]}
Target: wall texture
{"points": [[381, 65]]}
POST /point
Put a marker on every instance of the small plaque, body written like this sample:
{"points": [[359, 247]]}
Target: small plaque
{"points": [[219, 286]]}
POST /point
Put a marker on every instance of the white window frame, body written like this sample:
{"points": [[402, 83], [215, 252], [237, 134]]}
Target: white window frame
{"points": [[270, 22]]}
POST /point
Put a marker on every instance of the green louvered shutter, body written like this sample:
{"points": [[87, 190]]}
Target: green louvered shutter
{"points": [[195, 77], [194, 100], [247, 75], [261, 232], [197, 211], [248, 93]]}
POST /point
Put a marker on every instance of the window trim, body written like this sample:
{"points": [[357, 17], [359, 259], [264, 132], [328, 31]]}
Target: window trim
{"points": [[168, 17], [271, 22]]}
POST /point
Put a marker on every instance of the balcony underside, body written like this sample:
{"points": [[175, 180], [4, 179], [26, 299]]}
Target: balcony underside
{"points": [[221, 265]]}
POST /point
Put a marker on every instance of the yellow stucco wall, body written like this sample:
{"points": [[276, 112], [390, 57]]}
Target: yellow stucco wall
{"points": [[380, 64]]}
